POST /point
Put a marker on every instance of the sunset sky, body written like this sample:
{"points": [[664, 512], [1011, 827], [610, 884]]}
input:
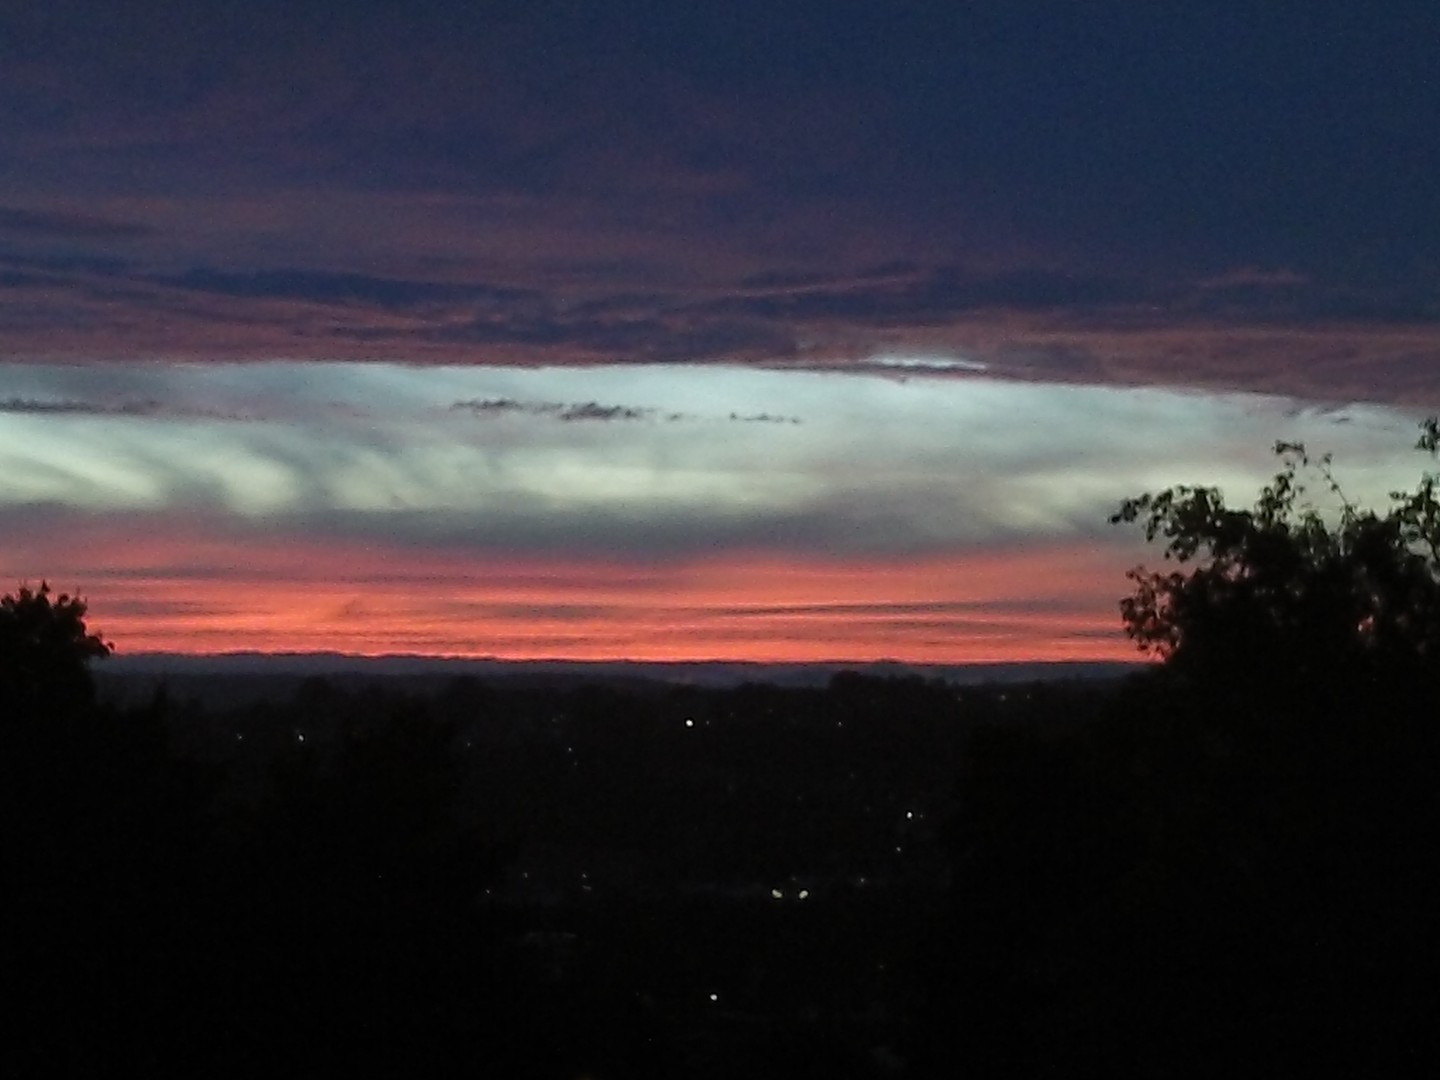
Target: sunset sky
{"points": [[773, 331]]}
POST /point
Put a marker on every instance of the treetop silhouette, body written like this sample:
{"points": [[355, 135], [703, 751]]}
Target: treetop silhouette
{"points": [[1278, 588], [45, 651]]}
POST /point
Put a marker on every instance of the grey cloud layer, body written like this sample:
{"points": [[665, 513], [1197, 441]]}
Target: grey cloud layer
{"points": [[1261, 331], [880, 468]]}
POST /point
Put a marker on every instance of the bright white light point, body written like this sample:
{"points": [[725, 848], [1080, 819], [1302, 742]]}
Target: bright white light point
{"points": [[776, 894], [714, 997], [300, 736], [804, 894], [909, 815], [689, 722]]}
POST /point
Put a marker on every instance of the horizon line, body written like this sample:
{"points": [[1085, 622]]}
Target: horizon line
{"points": [[672, 661]]}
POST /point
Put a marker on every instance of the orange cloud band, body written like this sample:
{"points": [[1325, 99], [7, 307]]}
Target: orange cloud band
{"points": [[203, 594]]}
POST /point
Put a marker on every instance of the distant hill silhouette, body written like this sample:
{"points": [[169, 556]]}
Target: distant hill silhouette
{"points": [[713, 673]]}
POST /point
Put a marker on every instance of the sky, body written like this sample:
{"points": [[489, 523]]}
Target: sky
{"points": [[773, 331]]}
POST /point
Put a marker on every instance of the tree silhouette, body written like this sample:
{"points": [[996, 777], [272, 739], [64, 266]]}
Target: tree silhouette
{"points": [[1230, 866], [1276, 590], [45, 652]]}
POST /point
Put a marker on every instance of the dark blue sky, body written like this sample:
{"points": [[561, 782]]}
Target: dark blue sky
{"points": [[1270, 132], [738, 181]]}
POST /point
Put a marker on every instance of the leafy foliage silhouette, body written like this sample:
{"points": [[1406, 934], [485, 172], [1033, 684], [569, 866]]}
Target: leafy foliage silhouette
{"points": [[45, 652], [1275, 588], [1225, 864]]}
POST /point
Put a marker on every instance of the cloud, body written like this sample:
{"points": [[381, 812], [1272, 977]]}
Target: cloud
{"points": [[763, 418], [500, 406], [590, 410], [344, 289], [78, 408], [187, 582], [664, 333], [928, 364], [903, 517], [593, 410], [1245, 329], [904, 293], [394, 454], [1255, 276], [152, 409], [16, 222]]}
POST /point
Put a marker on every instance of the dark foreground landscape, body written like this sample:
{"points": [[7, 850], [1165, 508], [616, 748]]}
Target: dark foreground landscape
{"points": [[871, 878]]}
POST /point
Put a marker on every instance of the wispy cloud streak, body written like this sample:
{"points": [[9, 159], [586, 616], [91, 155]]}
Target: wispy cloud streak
{"points": [[151, 409]]}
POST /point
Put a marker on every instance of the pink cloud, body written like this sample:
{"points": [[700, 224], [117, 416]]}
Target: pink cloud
{"points": [[184, 590]]}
